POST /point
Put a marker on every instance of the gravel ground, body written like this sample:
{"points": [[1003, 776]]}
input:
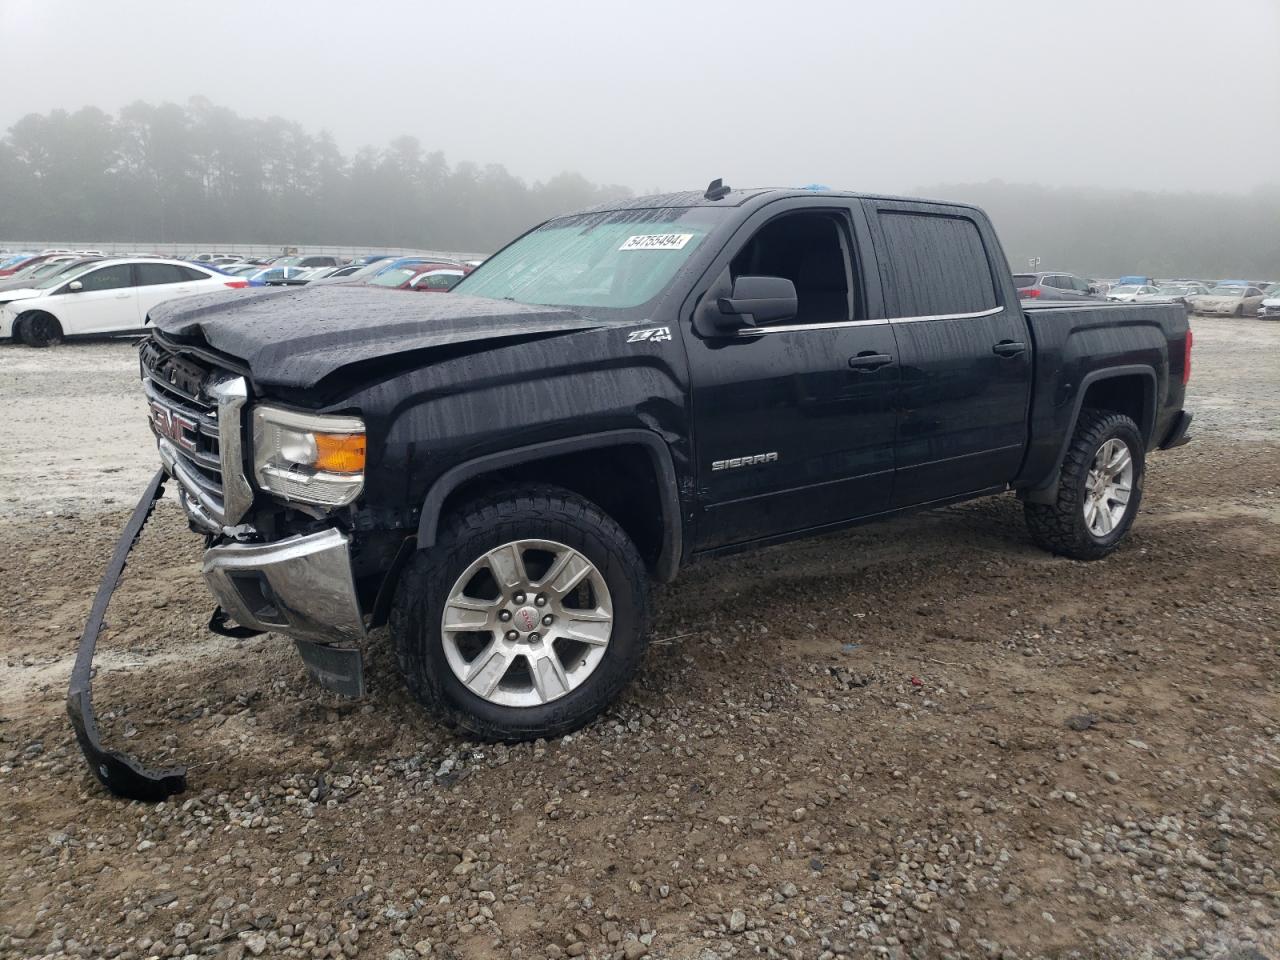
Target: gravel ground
{"points": [[917, 739]]}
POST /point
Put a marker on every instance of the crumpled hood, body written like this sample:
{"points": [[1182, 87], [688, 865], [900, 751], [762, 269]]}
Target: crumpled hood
{"points": [[20, 293], [295, 336]]}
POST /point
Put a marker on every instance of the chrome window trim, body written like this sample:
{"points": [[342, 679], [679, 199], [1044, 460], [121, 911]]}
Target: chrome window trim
{"points": [[801, 327], [949, 316]]}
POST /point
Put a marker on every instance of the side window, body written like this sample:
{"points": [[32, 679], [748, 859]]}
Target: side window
{"points": [[191, 273], [153, 274], [937, 265], [1081, 285], [810, 249], [439, 281], [108, 278]]}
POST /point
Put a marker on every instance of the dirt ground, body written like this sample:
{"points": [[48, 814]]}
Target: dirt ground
{"points": [[916, 739]]}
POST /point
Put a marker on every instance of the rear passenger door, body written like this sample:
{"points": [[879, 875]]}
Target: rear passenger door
{"points": [[964, 352], [158, 282]]}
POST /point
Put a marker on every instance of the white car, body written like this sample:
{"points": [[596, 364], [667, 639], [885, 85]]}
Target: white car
{"points": [[110, 296], [1269, 308], [1129, 292]]}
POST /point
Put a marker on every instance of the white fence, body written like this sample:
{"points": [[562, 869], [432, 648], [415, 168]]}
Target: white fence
{"points": [[254, 250]]}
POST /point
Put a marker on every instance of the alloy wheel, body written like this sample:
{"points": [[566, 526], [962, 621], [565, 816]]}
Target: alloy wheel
{"points": [[526, 623]]}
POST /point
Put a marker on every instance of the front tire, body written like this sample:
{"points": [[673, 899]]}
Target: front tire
{"points": [[1099, 490], [40, 329], [526, 619]]}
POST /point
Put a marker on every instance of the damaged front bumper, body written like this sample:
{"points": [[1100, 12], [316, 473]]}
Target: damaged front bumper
{"points": [[302, 586]]}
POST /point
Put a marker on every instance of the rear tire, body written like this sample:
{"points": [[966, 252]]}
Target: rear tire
{"points": [[40, 330], [1095, 507], [544, 682]]}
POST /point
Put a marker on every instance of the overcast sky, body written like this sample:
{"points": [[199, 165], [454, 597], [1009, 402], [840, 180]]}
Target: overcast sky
{"points": [[884, 96]]}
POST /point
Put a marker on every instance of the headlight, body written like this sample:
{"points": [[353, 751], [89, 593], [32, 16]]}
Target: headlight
{"points": [[307, 457]]}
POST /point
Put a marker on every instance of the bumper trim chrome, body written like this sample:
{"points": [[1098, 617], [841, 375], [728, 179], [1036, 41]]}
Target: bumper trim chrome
{"points": [[301, 587]]}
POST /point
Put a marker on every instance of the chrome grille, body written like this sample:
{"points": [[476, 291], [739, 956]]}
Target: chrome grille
{"points": [[195, 414]]}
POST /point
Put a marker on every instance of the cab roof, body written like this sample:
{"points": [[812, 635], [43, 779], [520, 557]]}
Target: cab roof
{"points": [[744, 197]]}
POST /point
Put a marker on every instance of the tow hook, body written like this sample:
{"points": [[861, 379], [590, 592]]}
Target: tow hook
{"points": [[121, 774]]}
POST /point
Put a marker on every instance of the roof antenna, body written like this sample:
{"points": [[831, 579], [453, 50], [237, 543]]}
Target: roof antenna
{"points": [[717, 190]]}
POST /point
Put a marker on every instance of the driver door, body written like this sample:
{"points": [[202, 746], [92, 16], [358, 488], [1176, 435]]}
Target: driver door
{"points": [[794, 422], [107, 301]]}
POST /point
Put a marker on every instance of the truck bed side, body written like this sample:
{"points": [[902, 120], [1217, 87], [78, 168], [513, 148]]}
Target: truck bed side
{"points": [[1126, 357]]}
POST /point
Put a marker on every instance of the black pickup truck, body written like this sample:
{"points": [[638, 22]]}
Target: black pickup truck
{"points": [[499, 472]]}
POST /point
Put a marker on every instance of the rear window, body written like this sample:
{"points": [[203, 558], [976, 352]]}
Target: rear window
{"points": [[937, 265], [1024, 279]]}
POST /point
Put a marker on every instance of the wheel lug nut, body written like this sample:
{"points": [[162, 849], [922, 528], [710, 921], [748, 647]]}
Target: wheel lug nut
{"points": [[548, 620], [519, 598], [534, 638], [504, 616], [512, 635], [540, 600]]}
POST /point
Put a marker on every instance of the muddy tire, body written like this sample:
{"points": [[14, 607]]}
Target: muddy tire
{"points": [[40, 329], [1099, 490], [526, 619]]}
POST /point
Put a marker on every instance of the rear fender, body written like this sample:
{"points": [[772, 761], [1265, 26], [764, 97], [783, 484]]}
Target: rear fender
{"points": [[1047, 491]]}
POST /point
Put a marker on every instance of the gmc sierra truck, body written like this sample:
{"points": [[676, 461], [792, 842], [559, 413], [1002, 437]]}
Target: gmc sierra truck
{"points": [[499, 473]]}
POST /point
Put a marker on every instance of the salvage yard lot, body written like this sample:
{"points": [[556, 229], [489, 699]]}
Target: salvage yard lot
{"points": [[924, 738]]}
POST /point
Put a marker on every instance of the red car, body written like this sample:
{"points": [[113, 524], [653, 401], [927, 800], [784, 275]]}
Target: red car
{"points": [[425, 277], [29, 262]]}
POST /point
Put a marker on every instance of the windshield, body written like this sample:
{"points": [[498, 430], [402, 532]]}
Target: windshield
{"points": [[615, 260], [1127, 288], [58, 276], [1024, 279], [1227, 292], [1173, 291]]}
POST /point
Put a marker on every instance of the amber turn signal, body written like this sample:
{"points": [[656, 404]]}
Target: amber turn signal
{"points": [[339, 452]]}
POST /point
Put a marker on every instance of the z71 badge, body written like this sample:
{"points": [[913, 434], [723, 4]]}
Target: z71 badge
{"points": [[652, 335]]}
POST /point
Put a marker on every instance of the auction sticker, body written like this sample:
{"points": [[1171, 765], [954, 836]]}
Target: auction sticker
{"points": [[657, 241]]}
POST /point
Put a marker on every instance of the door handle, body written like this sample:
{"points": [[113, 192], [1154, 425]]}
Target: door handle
{"points": [[122, 296], [867, 361], [1009, 348]]}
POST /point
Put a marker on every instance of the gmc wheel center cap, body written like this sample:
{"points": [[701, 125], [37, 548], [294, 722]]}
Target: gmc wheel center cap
{"points": [[526, 619]]}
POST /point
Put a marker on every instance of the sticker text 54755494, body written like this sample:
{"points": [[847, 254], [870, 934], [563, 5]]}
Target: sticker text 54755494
{"points": [[657, 241]]}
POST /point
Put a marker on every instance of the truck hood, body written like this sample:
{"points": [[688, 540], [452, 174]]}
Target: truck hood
{"points": [[293, 337]]}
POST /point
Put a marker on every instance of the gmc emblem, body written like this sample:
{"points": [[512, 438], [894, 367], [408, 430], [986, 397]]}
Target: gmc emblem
{"points": [[173, 426]]}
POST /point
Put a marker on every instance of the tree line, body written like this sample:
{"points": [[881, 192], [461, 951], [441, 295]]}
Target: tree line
{"points": [[201, 173]]}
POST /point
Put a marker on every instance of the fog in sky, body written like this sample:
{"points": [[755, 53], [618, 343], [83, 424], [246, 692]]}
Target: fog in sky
{"points": [[666, 95]]}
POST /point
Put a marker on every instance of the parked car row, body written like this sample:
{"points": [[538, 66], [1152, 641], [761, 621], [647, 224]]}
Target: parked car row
{"points": [[52, 295], [100, 295], [1239, 298]]}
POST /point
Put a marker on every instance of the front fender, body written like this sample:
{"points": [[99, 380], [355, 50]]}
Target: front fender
{"points": [[664, 470]]}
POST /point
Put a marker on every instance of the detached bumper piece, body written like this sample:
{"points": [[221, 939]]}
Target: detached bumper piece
{"points": [[119, 773]]}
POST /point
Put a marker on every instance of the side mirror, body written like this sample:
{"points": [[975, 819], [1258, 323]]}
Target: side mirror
{"points": [[75, 286], [759, 301]]}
